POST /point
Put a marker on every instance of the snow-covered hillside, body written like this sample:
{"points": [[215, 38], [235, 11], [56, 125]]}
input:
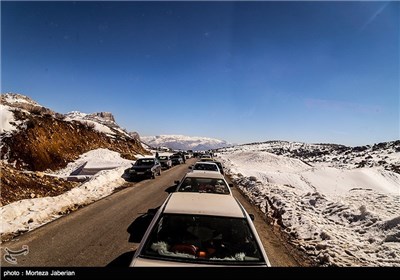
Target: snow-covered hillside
{"points": [[340, 156], [181, 142], [28, 214], [340, 213]]}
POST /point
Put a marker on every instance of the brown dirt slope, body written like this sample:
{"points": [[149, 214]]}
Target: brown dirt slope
{"points": [[50, 143], [17, 185]]}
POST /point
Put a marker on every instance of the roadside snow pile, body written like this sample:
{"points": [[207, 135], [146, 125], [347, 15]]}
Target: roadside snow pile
{"points": [[98, 159], [340, 217], [27, 214]]}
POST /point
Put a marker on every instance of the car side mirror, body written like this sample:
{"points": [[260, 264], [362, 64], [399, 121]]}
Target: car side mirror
{"points": [[251, 217], [177, 182], [231, 185]]}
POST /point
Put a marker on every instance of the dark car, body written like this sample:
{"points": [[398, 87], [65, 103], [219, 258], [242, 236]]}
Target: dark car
{"points": [[147, 167], [176, 159], [165, 161]]}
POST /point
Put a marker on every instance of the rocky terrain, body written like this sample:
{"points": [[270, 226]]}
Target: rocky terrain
{"points": [[36, 140]]}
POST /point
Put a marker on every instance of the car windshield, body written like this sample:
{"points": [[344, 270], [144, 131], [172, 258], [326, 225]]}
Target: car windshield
{"points": [[204, 185], [204, 239], [205, 167], [141, 162]]}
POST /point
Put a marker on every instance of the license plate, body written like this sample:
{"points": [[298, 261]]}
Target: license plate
{"points": [[140, 173]]}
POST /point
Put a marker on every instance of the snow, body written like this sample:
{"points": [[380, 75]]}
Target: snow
{"points": [[17, 98], [7, 119], [28, 214], [95, 159], [339, 216], [78, 116]]}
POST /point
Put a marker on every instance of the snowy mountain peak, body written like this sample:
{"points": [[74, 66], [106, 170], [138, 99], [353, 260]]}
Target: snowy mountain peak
{"points": [[105, 115], [75, 114], [22, 102], [183, 142], [102, 117], [15, 98]]}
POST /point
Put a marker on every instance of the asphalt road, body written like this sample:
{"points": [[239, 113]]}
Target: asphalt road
{"points": [[97, 235]]}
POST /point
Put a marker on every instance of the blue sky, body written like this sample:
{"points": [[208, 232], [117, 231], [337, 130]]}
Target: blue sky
{"points": [[243, 72]]}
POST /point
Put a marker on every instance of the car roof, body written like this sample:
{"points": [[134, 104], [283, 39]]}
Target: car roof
{"points": [[205, 162], [203, 204], [205, 174]]}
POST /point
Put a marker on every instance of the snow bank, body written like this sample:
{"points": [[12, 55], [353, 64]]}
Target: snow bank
{"points": [[96, 159], [344, 217], [27, 214]]}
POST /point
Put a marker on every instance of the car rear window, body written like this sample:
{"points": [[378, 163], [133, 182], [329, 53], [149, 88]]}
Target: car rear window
{"points": [[205, 167], [204, 185], [145, 162], [204, 239]]}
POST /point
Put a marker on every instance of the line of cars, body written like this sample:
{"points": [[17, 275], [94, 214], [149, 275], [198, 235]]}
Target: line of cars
{"points": [[201, 224]]}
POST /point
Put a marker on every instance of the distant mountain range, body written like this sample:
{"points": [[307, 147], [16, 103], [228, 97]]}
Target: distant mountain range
{"points": [[181, 142]]}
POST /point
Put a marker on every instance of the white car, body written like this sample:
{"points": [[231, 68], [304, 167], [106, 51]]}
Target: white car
{"points": [[193, 229], [205, 182], [203, 166]]}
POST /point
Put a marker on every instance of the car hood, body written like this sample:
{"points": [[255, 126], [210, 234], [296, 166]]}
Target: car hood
{"points": [[141, 262]]}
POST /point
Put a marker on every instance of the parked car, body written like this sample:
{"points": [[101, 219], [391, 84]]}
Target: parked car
{"points": [[147, 167], [192, 229], [207, 182], [205, 166], [165, 161], [176, 159]]}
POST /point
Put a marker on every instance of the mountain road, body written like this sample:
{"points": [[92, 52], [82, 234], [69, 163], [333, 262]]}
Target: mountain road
{"points": [[99, 234]]}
